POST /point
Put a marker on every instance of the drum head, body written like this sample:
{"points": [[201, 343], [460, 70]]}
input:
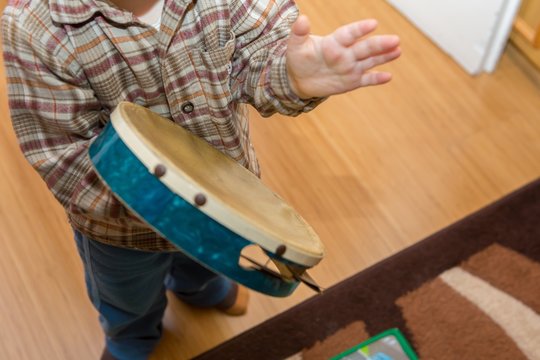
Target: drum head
{"points": [[234, 197]]}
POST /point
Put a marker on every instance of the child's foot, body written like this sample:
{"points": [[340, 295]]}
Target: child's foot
{"points": [[236, 301]]}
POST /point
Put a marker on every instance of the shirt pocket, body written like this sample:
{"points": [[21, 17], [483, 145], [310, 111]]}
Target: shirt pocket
{"points": [[213, 67]]}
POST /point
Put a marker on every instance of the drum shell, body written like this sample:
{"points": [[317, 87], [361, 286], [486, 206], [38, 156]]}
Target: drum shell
{"points": [[189, 229]]}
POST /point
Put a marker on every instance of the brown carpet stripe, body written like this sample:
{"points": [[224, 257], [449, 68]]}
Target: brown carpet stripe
{"points": [[340, 341], [445, 325], [521, 323], [508, 271]]}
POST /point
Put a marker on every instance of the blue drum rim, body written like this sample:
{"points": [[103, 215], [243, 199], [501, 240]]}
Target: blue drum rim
{"points": [[126, 119], [108, 153]]}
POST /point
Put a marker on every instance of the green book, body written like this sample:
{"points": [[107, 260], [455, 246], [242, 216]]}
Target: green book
{"points": [[389, 345]]}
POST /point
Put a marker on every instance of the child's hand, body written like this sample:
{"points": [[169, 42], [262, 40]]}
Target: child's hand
{"points": [[339, 62]]}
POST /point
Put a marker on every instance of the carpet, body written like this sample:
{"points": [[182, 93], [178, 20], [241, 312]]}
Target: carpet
{"points": [[470, 291]]}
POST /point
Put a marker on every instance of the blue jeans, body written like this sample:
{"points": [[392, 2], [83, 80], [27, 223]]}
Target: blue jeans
{"points": [[127, 287]]}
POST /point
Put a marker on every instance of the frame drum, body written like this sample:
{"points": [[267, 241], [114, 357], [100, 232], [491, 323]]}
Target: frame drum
{"points": [[201, 200]]}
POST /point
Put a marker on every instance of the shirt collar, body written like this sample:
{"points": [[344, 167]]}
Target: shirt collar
{"points": [[76, 12]]}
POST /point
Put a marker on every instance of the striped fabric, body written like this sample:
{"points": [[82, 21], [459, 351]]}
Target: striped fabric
{"points": [[69, 63]]}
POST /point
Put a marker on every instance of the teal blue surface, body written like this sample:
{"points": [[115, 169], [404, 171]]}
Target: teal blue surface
{"points": [[189, 229]]}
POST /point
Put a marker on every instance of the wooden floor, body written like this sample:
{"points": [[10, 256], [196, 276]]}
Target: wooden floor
{"points": [[373, 171]]}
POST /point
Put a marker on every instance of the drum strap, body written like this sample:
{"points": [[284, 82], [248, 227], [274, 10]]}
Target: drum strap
{"points": [[297, 274]]}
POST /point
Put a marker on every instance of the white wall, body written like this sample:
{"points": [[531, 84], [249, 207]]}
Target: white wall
{"points": [[473, 32]]}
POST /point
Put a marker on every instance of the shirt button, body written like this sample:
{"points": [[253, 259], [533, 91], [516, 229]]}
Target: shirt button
{"points": [[188, 107]]}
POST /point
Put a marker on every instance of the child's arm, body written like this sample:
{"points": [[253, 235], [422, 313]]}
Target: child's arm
{"points": [[55, 115], [259, 72], [276, 70]]}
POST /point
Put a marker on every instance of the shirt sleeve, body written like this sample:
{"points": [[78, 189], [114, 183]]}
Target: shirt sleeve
{"points": [[55, 115], [259, 72]]}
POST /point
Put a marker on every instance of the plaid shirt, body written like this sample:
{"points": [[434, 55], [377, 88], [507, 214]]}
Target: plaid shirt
{"points": [[69, 63]]}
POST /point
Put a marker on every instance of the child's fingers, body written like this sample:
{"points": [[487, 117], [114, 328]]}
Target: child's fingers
{"points": [[349, 34], [375, 78], [374, 61], [300, 31], [375, 45]]}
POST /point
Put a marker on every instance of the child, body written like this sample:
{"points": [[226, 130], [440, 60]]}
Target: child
{"points": [[69, 63]]}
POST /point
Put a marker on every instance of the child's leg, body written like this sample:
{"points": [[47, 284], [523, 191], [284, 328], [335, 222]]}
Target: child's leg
{"points": [[126, 287], [196, 285]]}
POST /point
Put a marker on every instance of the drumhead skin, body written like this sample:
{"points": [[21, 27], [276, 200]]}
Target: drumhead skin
{"points": [[211, 196]]}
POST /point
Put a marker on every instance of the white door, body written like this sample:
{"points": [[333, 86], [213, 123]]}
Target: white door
{"points": [[473, 32]]}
